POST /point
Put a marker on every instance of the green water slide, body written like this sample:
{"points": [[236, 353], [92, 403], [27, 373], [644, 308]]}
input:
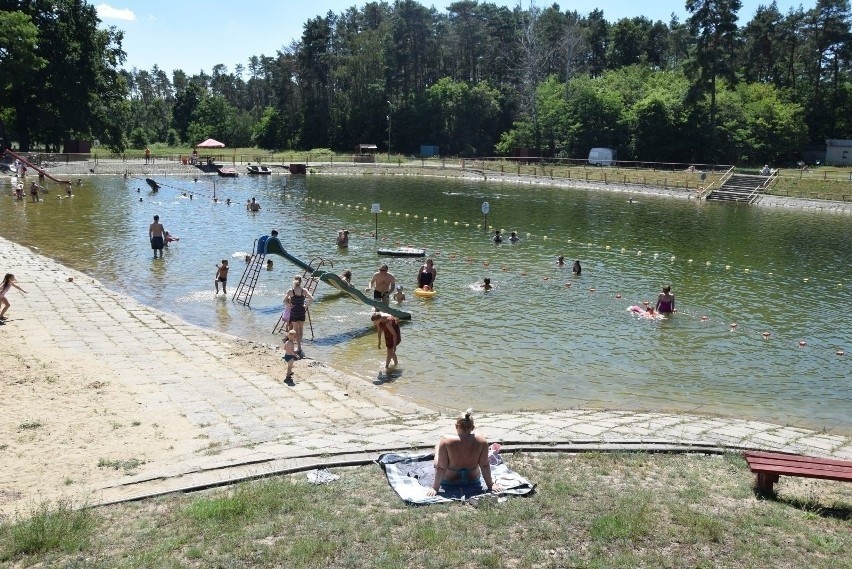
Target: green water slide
{"points": [[354, 293], [272, 246]]}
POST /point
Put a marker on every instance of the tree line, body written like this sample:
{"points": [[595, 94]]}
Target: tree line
{"points": [[475, 80]]}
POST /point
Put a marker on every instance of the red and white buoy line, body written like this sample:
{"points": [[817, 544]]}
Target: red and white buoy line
{"points": [[766, 335]]}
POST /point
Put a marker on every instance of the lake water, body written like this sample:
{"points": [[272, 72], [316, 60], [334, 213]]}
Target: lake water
{"points": [[531, 343]]}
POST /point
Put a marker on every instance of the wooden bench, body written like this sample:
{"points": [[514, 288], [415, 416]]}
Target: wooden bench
{"points": [[770, 465]]}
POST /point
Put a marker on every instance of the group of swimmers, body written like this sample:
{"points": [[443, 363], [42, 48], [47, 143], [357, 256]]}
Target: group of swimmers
{"points": [[498, 237]]}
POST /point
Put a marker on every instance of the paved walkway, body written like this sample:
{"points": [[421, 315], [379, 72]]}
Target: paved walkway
{"points": [[242, 421]]}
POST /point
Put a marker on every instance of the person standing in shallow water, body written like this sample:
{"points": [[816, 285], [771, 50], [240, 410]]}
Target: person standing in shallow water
{"points": [[426, 275], [157, 236], [666, 301], [387, 325]]}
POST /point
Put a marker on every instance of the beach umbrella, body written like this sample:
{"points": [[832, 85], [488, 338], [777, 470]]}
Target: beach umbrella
{"points": [[210, 143]]}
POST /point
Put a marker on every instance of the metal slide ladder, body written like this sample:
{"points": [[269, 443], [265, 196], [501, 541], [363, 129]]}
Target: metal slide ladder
{"points": [[245, 290], [309, 283]]}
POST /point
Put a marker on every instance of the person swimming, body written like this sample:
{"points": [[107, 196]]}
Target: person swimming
{"points": [[646, 312]]}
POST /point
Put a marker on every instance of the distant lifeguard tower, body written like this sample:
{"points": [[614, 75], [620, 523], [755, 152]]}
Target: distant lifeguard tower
{"points": [[365, 153]]}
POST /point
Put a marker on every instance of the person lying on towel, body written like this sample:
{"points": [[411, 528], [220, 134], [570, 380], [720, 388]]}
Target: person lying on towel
{"points": [[462, 459]]}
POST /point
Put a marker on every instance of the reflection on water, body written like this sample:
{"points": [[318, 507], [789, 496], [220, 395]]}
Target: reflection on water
{"points": [[543, 337]]}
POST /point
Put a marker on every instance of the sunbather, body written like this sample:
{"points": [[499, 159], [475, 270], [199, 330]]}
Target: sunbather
{"points": [[462, 459]]}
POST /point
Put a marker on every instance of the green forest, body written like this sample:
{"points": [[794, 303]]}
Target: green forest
{"points": [[475, 79]]}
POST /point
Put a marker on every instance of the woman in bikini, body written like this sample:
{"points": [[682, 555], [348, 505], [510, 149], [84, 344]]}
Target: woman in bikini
{"points": [[462, 459]]}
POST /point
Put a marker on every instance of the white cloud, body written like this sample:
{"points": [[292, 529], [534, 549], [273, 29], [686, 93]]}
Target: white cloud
{"points": [[107, 12]]}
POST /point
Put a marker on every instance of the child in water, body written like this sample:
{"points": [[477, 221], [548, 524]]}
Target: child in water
{"points": [[290, 353], [221, 276], [399, 296], [486, 284]]}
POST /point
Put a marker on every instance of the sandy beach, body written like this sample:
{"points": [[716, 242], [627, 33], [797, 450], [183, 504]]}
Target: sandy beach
{"points": [[105, 399]]}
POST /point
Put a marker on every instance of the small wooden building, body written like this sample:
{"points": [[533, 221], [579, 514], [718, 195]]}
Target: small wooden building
{"points": [[365, 153]]}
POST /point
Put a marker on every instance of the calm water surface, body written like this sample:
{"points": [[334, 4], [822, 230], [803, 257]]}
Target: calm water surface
{"points": [[533, 342]]}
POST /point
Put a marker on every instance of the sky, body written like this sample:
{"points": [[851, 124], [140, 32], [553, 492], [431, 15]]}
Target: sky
{"points": [[195, 35]]}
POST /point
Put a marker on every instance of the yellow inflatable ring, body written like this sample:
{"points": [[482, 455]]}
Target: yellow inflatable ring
{"points": [[424, 293]]}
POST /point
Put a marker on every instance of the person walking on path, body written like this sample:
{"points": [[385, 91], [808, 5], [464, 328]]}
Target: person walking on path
{"points": [[383, 283], [290, 354], [299, 299], [388, 326], [8, 283], [157, 236]]}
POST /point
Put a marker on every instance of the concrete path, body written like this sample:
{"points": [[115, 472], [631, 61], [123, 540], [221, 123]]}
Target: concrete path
{"points": [[236, 419]]}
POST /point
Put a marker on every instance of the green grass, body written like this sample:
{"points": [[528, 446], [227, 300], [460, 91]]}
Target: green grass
{"points": [[823, 183], [50, 529], [590, 510]]}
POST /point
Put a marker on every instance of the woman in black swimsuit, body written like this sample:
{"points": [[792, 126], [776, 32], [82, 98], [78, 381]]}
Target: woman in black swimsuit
{"points": [[299, 299], [426, 275]]}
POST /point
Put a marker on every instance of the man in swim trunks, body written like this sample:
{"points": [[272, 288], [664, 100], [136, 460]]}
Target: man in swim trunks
{"points": [[221, 276], [157, 236], [382, 283], [462, 459]]}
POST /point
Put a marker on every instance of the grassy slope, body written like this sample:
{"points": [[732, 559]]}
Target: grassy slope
{"points": [[591, 510]]}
